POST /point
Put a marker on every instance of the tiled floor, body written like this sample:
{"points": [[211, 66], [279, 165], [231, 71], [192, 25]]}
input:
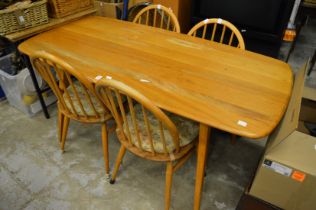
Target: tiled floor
{"points": [[34, 174]]}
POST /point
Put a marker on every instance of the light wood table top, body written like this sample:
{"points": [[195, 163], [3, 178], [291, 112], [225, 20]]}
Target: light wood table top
{"points": [[213, 84], [52, 23]]}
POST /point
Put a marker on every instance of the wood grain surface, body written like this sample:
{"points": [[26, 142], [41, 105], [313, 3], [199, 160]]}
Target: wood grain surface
{"points": [[234, 90]]}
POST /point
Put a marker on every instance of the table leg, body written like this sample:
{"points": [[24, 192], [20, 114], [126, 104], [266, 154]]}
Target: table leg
{"points": [[201, 160], [35, 83]]}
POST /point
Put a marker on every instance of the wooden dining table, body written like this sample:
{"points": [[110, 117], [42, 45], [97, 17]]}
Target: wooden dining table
{"points": [[219, 86]]}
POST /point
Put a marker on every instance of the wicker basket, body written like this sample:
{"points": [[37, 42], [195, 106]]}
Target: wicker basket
{"points": [[62, 8], [17, 19]]}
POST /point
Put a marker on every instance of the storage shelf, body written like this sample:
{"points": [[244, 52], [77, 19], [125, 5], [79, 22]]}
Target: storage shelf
{"points": [[53, 22]]}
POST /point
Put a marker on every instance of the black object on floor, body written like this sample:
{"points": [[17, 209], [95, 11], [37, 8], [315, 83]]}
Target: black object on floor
{"points": [[248, 202]]}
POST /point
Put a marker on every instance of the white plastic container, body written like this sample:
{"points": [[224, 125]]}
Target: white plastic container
{"points": [[12, 89]]}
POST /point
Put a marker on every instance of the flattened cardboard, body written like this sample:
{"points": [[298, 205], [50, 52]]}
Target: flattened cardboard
{"points": [[309, 93], [290, 120]]}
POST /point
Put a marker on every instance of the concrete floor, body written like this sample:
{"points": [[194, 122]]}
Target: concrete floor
{"points": [[34, 174], [304, 49]]}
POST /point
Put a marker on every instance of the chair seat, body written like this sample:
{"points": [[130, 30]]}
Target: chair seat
{"points": [[84, 101], [188, 131]]}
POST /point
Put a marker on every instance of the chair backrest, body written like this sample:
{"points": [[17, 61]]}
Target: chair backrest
{"points": [[76, 95], [220, 31], [158, 16], [112, 92]]}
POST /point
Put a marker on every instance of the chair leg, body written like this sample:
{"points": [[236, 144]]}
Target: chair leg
{"points": [[118, 163], [105, 149], [60, 125], [169, 173], [64, 133]]}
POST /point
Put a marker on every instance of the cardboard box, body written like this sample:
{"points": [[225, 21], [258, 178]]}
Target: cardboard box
{"points": [[308, 109], [309, 93], [286, 176], [107, 9]]}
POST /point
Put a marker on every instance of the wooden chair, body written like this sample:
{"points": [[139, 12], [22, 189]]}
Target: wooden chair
{"points": [[147, 131], [76, 97], [158, 16], [219, 32]]}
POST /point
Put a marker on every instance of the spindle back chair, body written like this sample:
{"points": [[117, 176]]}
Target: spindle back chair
{"points": [[219, 29], [76, 96], [158, 16], [146, 130]]}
